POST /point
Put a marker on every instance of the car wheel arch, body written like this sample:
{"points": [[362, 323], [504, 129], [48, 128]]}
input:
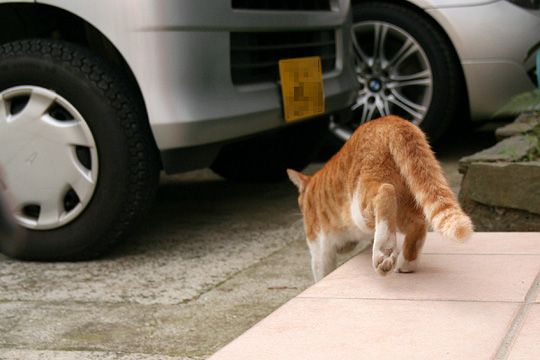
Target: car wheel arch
{"points": [[22, 26]]}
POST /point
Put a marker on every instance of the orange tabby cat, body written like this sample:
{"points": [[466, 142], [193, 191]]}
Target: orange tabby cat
{"points": [[385, 179]]}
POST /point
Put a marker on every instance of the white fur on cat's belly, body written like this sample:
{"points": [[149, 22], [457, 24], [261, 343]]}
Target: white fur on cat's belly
{"points": [[324, 247], [357, 217], [385, 248], [323, 256]]}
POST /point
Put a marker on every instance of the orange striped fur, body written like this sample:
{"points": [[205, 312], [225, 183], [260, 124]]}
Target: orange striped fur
{"points": [[384, 180]]}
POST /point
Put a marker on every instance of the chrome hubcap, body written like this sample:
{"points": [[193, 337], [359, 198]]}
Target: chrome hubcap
{"points": [[394, 74], [49, 156]]}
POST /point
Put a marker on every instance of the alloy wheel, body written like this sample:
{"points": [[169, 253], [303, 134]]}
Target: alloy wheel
{"points": [[394, 74]]}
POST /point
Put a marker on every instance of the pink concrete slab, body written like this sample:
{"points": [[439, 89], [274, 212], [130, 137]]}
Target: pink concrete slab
{"points": [[486, 243], [375, 329], [439, 277], [527, 343]]}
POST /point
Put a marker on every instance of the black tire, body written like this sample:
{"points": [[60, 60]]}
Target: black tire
{"points": [[267, 157], [448, 91], [128, 163]]}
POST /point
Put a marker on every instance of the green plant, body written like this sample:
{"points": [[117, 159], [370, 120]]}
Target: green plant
{"points": [[534, 154]]}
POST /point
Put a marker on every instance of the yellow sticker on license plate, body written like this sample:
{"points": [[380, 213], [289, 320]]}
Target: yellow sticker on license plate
{"points": [[301, 87]]}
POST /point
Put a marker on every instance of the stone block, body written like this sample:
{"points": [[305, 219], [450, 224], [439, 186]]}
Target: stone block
{"points": [[511, 185], [524, 123], [511, 149], [502, 196]]}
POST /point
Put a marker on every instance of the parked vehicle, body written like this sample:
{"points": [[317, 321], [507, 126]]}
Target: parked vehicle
{"points": [[97, 96], [425, 60]]}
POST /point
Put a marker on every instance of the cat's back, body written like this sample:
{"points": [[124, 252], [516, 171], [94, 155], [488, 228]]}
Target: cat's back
{"points": [[370, 141], [362, 164], [380, 130], [367, 154]]}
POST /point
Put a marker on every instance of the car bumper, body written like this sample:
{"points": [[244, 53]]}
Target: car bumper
{"points": [[189, 92], [250, 112]]}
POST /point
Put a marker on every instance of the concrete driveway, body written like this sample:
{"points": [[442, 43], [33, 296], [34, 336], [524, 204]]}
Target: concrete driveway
{"points": [[211, 259]]}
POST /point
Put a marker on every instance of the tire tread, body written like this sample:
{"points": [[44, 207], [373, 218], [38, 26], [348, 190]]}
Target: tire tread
{"points": [[126, 102]]}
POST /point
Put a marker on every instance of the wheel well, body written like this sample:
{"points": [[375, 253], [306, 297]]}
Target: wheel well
{"points": [[26, 21], [436, 24], [19, 21]]}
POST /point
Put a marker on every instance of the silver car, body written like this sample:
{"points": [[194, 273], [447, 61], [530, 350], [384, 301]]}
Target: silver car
{"points": [[438, 61], [97, 96]]}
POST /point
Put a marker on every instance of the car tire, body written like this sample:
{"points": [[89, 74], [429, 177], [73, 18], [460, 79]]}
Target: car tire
{"points": [[438, 89], [95, 98], [267, 157]]}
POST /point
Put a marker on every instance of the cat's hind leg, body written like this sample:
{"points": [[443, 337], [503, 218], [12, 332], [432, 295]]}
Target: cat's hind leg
{"points": [[415, 235], [323, 256], [385, 250]]}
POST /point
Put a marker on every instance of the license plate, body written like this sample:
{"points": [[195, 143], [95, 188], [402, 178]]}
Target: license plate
{"points": [[301, 87]]}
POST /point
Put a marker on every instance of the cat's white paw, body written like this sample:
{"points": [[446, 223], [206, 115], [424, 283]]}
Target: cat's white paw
{"points": [[405, 266], [384, 261]]}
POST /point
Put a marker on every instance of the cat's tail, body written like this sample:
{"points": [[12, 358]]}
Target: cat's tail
{"points": [[423, 175]]}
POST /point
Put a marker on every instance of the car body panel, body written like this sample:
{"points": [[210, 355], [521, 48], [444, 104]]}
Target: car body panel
{"points": [[426, 4], [201, 105], [491, 84], [491, 48], [179, 54]]}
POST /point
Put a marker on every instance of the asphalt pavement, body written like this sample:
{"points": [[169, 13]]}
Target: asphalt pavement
{"points": [[211, 259]]}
